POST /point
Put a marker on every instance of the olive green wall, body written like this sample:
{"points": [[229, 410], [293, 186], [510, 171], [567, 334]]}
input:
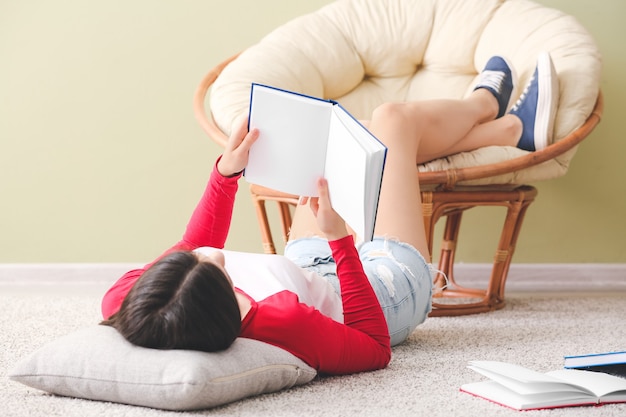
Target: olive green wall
{"points": [[102, 160]]}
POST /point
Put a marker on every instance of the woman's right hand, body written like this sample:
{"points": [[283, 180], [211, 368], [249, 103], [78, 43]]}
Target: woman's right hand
{"points": [[235, 156]]}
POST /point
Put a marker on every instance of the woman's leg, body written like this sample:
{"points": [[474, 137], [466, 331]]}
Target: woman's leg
{"points": [[304, 224], [423, 131], [505, 131], [419, 131], [447, 127], [400, 213], [453, 126]]}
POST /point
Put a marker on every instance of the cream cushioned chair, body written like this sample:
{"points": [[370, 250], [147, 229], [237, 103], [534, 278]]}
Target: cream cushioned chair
{"points": [[366, 52]]}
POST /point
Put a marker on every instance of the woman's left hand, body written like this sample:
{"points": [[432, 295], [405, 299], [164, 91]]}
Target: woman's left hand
{"points": [[235, 156], [329, 222]]}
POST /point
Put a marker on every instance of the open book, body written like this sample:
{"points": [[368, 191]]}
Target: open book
{"points": [[613, 363], [303, 138], [524, 389]]}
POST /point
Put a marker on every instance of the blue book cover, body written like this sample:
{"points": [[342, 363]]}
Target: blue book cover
{"points": [[613, 363]]}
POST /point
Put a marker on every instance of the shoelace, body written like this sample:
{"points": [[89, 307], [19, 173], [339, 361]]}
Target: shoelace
{"points": [[492, 79], [524, 93], [434, 272]]}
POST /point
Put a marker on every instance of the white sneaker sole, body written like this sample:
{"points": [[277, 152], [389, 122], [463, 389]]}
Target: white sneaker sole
{"points": [[547, 101]]}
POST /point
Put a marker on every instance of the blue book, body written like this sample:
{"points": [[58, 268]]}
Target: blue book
{"points": [[303, 138], [613, 363]]}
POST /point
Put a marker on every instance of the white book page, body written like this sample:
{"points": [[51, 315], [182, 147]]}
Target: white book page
{"points": [[346, 163], [376, 153], [597, 382], [522, 380], [289, 154], [360, 133]]}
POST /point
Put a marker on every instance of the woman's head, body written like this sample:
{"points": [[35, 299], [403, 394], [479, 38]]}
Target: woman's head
{"points": [[180, 302]]}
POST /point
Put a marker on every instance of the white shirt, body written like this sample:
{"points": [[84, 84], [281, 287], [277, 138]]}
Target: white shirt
{"points": [[262, 275]]}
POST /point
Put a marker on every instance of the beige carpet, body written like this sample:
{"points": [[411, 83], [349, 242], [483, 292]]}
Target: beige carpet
{"points": [[423, 378]]}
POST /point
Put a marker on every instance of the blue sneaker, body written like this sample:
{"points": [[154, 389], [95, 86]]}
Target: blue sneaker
{"points": [[497, 77], [536, 107]]}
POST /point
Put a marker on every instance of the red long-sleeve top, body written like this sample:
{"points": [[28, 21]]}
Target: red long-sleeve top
{"points": [[360, 343]]}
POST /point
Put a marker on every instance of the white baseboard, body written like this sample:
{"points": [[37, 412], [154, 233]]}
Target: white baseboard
{"points": [[522, 277], [63, 273], [548, 277]]}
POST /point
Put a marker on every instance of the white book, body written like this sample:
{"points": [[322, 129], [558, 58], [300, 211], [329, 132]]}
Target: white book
{"points": [[304, 138], [524, 389]]}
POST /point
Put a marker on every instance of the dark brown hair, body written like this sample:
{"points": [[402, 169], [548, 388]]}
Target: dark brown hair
{"points": [[180, 303]]}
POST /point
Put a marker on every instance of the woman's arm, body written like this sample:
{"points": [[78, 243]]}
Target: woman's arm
{"points": [[361, 309], [361, 343], [210, 221], [367, 342], [208, 226], [360, 305]]}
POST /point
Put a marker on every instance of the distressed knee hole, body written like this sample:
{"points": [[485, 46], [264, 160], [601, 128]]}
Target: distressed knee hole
{"points": [[386, 277]]}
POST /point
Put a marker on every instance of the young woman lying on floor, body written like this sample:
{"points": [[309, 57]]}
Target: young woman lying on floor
{"points": [[337, 307]]}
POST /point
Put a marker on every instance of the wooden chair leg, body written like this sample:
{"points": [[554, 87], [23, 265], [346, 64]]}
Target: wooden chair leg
{"points": [[429, 221], [259, 196], [508, 239], [446, 254], [285, 219], [445, 283], [264, 225], [491, 298]]}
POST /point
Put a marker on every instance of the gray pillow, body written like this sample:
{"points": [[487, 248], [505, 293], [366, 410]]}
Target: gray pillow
{"points": [[97, 363]]}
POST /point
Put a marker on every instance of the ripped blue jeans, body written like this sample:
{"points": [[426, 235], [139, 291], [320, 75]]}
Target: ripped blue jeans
{"points": [[397, 272]]}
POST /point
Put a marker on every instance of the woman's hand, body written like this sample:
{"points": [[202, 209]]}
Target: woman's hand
{"points": [[329, 222], [235, 156]]}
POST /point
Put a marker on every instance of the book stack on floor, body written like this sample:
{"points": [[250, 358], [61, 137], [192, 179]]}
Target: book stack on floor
{"points": [[586, 380]]}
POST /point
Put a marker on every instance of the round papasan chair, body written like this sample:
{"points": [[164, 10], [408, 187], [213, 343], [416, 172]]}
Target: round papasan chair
{"points": [[363, 53]]}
